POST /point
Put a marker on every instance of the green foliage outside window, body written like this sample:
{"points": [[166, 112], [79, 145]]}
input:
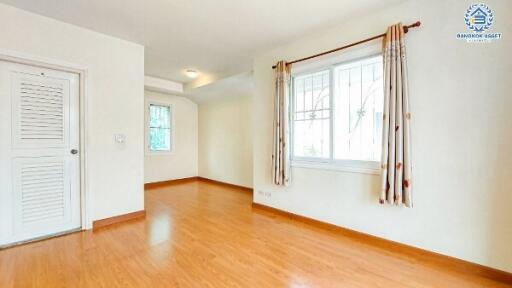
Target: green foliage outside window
{"points": [[159, 127]]}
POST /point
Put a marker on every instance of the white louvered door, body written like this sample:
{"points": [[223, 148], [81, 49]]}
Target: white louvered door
{"points": [[39, 141]]}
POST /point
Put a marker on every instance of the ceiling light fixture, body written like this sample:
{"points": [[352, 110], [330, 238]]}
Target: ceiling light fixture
{"points": [[191, 73]]}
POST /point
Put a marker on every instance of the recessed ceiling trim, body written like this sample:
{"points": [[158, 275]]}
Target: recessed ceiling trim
{"points": [[162, 85]]}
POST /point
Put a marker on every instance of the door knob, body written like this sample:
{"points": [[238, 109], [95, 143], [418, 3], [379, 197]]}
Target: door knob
{"points": [[74, 151]]}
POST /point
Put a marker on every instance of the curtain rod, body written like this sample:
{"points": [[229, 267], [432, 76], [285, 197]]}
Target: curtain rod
{"points": [[406, 29]]}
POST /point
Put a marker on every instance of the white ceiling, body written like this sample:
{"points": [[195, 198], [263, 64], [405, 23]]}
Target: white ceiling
{"points": [[233, 86], [217, 37]]}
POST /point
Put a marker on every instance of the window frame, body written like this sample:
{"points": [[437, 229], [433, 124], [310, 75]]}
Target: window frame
{"points": [[346, 165], [171, 127]]}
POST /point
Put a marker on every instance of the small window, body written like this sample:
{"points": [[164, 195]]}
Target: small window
{"points": [[337, 114], [159, 128]]}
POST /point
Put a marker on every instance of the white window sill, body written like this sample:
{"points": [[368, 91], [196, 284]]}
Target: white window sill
{"points": [[352, 166], [159, 153]]}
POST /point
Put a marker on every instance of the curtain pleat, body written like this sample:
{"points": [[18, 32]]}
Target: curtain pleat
{"points": [[396, 160], [280, 146]]}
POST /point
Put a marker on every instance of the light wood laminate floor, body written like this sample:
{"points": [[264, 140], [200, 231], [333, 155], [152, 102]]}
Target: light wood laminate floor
{"points": [[201, 234]]}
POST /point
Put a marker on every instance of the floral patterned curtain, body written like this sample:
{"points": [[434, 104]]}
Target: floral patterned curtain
{"points": [[280, 147], [396, 144]]}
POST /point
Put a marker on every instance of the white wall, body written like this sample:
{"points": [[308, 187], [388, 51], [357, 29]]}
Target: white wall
{"points": [[182, 161], [461, 135], [225, 137], [115, 96]]}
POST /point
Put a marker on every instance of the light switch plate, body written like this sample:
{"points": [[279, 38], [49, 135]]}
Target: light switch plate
{"points": [[119, 138]]}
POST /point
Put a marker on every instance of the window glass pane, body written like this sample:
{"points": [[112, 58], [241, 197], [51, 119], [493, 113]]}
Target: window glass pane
{"points": [[159, 127], [311, 115], [159, 116], [358, 98], [159, 139], [311, 138]]}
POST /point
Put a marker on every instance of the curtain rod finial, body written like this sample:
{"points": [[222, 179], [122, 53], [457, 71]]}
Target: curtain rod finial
{"points": [[415, 24]]}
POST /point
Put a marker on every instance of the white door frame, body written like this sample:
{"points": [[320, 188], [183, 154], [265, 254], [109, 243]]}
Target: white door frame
{"points": [[82, 71]]}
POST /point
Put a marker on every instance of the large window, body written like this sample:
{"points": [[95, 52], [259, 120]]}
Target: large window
{"points": [[337, 113], [159, 128]]}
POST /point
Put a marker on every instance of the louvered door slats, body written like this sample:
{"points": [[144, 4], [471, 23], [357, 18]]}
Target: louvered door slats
{"points": [[40, 110], [42, 188]]}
